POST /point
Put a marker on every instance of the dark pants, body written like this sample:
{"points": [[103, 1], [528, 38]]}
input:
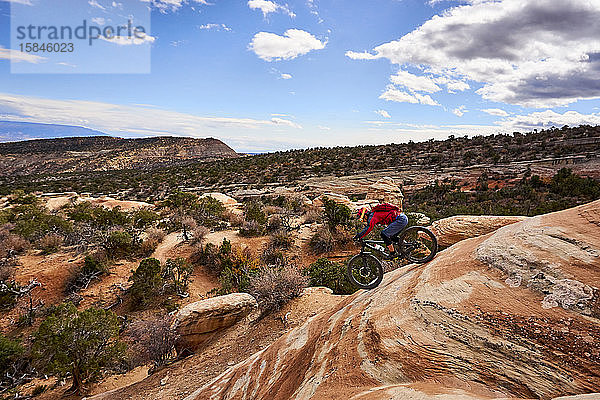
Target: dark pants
{"points": [[390, 234]]}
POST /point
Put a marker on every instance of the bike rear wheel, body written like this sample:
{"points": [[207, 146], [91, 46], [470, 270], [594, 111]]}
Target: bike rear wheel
{"points": [[365, 271], [418, 244]]}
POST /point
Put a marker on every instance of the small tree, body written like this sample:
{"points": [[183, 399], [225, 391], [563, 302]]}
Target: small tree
{"points": [[147, 282], [81, 343], [336, 214], [324, 272]]}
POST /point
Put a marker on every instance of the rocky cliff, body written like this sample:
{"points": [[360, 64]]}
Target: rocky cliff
{"points": [[100, 153], [510, 314]]}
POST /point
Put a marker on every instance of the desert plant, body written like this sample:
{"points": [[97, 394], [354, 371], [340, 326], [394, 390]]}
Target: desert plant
{"points": [[251, 228], [322, 241], [199, 235], [81, 343], [253, 211], [324, 272], [93, 267], [274, 287], [150, 341], [146, 282], [119, 244], [336, 214], [281, 240], [154, 236], [51, 243], [10, 352], [176, 275]]}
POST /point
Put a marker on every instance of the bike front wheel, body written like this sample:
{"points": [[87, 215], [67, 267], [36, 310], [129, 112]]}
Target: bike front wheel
{"points": [[418, 244], [365, 271]]}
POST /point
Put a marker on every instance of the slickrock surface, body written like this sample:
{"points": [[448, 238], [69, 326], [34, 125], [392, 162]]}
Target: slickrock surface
{"points": [[452, 230], [199, 322], [385, 190], [459, 325]]}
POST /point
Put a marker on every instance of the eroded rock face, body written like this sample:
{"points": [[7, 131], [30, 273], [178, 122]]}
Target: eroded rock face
{"points": [[454, 327], [197, 323], [385, 190], [454, 229]]}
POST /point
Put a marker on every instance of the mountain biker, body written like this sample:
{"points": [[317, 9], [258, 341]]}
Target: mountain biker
{"points": [[383, 214]]}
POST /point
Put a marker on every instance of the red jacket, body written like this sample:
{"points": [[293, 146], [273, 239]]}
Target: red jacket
{"points": [[377, 217]]}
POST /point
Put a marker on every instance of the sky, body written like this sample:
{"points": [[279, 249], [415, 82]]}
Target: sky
{"points": [[266, 75]]}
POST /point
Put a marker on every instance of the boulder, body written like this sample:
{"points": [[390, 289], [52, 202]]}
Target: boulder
{"points": [[454, 229], [457, 327], [338, 198], [199, 322], [385, 190]]}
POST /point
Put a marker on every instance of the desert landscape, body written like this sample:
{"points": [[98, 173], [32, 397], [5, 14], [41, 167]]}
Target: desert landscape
{"points": [[178, 289]]}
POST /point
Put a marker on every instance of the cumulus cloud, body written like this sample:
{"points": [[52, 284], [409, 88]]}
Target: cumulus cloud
{"points": [[496, 111], [394, 94], [293, 43], [19, 56], [383, 113], [268, 7], [165, 6], [415, 83], [540, 54]]}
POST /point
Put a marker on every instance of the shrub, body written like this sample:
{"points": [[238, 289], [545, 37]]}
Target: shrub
{"points": [[199, 234], [274, 287], [274, 223], [10, 352], [281, 240], [237, 269], [9, 293], [93, 267], [147, 282], [119, 244], [251, 229], [177, 274], [253, 211], [82, 343], [51, 243], [154, 236], [272, 256], [313, 215], [235, 220], [324, 272], [336, 214], [322, 241], [150, 341]]}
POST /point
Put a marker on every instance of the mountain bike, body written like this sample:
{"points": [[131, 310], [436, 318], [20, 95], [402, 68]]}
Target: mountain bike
{"points": [[417, 244]]}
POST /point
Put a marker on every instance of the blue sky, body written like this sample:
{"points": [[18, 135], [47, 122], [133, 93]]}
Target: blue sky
{"points": [[266, 75]]}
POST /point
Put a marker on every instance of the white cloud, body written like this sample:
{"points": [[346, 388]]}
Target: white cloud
{"points": [[460, 111], [542, 53], [19, 56], [26, 2], [268, 7], [549, 118], [496, 111], [99, 21], [286, 76], [415, 83], [393, 94], [286, 122], [361, 56], [165, 6], [94, 3], [217, 27], [383, 113], [127, 41], [293, 43], [324, 128]]}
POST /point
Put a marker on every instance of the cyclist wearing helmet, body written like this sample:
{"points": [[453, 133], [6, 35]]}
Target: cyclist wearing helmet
{"points": [[383, 214]]}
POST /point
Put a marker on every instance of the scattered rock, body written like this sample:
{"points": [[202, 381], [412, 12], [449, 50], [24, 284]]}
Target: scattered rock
{"points": [[454, 229], [199, 322], [385, 190], [338, 198]]}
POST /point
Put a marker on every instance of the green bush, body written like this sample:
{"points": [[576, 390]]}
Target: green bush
{"points": [[322, 241], [119, 244], [324, 272], [93, 267], [81, 343], [253, 211], [146, 282], [10, 352], [9, 294], [336, 214], [177, 274]]}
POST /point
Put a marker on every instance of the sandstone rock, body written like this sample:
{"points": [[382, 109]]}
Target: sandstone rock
{"points": [[420, 218], [450, 329], [385, 190], [229, 203], [454, 229], [338, 198], [197, 323]]}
